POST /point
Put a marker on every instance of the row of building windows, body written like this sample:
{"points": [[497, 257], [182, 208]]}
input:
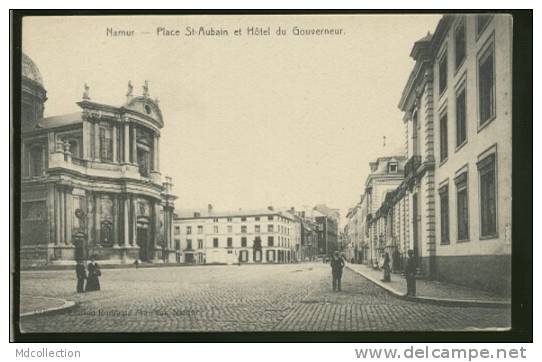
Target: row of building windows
{"points": [[257, 229], [486, 87], [488, 203], [282, 242]]}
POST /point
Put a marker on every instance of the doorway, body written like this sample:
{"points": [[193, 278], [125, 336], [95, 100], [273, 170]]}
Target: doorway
{"points": [[143, 241]]}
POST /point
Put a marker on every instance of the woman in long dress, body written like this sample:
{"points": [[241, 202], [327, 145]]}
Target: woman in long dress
{"points": [[93, 281]]}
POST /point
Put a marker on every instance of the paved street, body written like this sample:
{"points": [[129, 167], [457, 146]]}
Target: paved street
{"points": [[295, 297]]}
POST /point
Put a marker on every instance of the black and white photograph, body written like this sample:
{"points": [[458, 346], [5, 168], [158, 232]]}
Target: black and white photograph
{"points": [[246, 173]]}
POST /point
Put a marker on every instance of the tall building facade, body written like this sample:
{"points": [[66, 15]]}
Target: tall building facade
{"points": [[454, 206], [91, 181], [259, 236]]}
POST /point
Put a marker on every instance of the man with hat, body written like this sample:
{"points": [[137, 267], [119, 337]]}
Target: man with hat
{"points": [[337, 265]]}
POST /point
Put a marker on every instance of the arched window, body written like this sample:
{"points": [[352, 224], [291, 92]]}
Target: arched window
{"points": [[36, 161]]}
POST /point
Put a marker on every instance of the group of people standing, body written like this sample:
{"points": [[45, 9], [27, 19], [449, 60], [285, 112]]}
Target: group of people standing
{"points": [[91, 274], [338, 262]]}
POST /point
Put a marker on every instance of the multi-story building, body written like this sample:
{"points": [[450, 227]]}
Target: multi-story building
{"points": [[90, 180], [259, 236], [386, 174], [454, 206]]}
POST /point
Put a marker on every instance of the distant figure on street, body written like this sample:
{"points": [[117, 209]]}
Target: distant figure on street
{"points": [[93, 281], [386, 268], [239, 259], [337, 265], [81, 274], [410, 273]]}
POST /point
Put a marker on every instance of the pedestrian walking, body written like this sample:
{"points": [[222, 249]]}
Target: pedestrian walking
{"points": [[239, 259], [410, 273], [94, 273], [386, 268], [337, 265], [81, 274]]}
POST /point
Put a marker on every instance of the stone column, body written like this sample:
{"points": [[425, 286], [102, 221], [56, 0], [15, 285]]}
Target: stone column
{"points": [[58, 223], [126, 221], [96, 219], [114, 142], [126, 155], [133, 143], [96, 141], [116, 211], [156, 158], [87, 139], [69, 216], [133, 223], [62, 215]]}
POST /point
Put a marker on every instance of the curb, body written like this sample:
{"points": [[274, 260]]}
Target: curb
{"points": [[68, 304], [431, 300]]}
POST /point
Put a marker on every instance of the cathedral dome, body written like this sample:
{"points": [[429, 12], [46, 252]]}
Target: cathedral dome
{"points": [[30, 70]]}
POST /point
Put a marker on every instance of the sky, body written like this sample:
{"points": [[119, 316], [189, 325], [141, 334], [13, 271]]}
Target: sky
{"points": [[250, 121]]}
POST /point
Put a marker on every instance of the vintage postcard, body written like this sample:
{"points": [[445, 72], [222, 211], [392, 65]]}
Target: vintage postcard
{"points": [[265, 173]]}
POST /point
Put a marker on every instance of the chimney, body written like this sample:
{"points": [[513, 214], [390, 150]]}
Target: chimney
{"points": [[210, 208], [197, 214], [270, 208]]}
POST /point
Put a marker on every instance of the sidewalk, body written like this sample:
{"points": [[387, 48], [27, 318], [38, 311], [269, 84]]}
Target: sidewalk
{"points": [[432, 291], [30, 305]]}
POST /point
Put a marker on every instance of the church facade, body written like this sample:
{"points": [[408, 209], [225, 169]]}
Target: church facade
{"points": [[90, 181]]}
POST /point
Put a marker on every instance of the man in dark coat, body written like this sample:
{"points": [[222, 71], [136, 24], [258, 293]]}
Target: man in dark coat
{"points": [[81, 274], [337, 265], [410, 273]]}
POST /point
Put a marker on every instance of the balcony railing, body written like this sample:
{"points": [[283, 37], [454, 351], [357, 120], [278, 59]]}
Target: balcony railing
{"points": [[412, 165]]}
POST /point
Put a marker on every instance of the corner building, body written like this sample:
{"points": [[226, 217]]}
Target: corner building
{"points": [[454, 206], [91, 182]]}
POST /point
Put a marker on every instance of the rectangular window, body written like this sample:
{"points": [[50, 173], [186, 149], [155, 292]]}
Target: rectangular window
{"points": [[270, 241], [188, 244], [243, 229], [392, 167], [444, 216], [230, 229], [215, 242], [460, 44], [416, 134], [257, 218], [270, 217], [229, 219], [461, 117], [481, 23], [462, 207], [443, 136], [177, 230], [270, 228], [200, 244], [256, 228], [243, 218], [488, 203], [200, 229], [244, 242], [443, 72], [215, 219], [486, 86], [189, 230], [230, 242], [106, 144]]}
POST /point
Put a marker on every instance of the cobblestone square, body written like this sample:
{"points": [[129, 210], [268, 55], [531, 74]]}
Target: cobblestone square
{"points": [[293, 297]]}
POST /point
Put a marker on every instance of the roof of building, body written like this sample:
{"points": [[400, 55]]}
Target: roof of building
{"points": [[205, 213], [61, 120], [30, 70]]}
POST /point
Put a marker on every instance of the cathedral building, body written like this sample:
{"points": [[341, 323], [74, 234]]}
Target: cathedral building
{"points": [[90, 181]]}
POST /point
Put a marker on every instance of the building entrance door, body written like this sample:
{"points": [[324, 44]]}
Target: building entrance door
{"points": [[143, 241]]}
